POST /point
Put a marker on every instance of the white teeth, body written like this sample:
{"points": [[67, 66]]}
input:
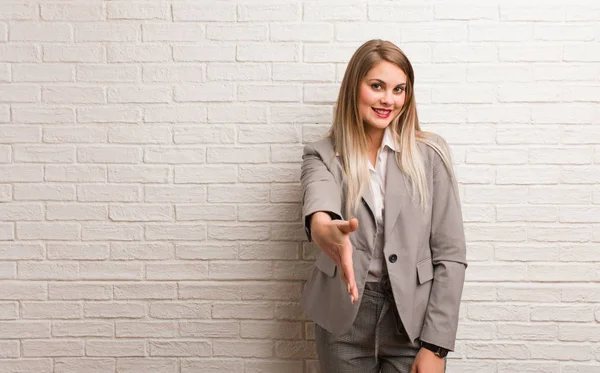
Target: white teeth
{"points": [[382, 111]]}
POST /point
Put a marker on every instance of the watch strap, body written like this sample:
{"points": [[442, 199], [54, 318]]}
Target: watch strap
{"points": [[439, 351]]}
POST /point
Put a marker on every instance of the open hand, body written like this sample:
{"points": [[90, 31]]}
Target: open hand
{"points": [[334, 241]]}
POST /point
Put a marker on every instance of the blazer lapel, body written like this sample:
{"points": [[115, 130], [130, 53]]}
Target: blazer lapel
{"points": [[367, 195], [368, 198], [397, 195]]}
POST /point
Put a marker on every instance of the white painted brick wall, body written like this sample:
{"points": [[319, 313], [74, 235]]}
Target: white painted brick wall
{"points": [[149, 176]]}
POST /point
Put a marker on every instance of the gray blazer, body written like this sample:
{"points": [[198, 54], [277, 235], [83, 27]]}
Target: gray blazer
{"points": [[427, 277]]}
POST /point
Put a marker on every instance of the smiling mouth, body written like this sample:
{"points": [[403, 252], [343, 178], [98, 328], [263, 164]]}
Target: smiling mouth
{"points": [[382, 113]]}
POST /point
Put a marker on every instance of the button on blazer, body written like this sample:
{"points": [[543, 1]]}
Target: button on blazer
{"points": [[424, 249]]}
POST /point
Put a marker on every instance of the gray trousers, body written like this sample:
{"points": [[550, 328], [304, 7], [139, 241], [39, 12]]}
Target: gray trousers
{"points": [[375, 343]]}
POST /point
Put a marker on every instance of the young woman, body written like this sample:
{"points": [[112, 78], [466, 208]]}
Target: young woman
{"points": [[381, 202]]}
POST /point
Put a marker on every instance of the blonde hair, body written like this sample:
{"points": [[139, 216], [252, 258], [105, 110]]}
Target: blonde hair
{"points": [[350, 139]]}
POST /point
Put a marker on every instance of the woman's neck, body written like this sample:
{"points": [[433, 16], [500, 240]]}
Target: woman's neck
{"points": [[375, 137]]}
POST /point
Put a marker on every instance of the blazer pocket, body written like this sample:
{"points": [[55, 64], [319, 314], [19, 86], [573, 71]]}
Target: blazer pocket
{"points": [[425, 270], [326, 265]]}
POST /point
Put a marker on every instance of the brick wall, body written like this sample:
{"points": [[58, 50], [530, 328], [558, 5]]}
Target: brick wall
{"points": [[149, 177]]}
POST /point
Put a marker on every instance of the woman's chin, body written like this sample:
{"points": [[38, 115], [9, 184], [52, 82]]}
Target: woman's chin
{"points": [[378, 124]]}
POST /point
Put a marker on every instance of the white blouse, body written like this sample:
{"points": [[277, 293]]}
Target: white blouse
{"points": [[378, 174]]}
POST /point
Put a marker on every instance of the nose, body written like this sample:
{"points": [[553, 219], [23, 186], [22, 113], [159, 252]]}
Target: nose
{"points": [[387, 99]]}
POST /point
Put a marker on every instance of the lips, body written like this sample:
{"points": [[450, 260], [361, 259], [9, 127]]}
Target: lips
{"points": [[382, 113]]}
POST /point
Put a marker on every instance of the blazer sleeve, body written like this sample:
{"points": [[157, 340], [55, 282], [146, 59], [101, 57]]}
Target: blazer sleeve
{"points": [[320, 191], [448, 253]]}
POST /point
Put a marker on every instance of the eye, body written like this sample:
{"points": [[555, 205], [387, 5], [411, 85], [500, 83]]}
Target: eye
{"points": [[375, 85], [399, 89]]}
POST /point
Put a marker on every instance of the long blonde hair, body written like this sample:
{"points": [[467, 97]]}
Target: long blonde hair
{"points": [[350, 139]]}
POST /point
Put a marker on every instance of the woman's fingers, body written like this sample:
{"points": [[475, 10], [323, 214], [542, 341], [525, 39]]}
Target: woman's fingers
{"points": [[343, 259], [345, 256], [343, 277], [348, 270], [338, 247]]}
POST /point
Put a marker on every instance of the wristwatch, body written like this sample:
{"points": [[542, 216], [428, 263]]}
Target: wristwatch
{"points": [[437, 350]]}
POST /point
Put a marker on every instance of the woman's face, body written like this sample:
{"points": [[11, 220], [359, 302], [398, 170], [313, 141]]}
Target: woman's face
{"points": [[382, 94]]}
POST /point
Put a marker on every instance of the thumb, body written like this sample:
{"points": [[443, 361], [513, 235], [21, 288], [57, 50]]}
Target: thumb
{"points": [[346, 226], [353, 224], [414, 369]]}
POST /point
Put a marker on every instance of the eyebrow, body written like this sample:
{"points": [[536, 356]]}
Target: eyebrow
{"points": [[383, 83]]}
